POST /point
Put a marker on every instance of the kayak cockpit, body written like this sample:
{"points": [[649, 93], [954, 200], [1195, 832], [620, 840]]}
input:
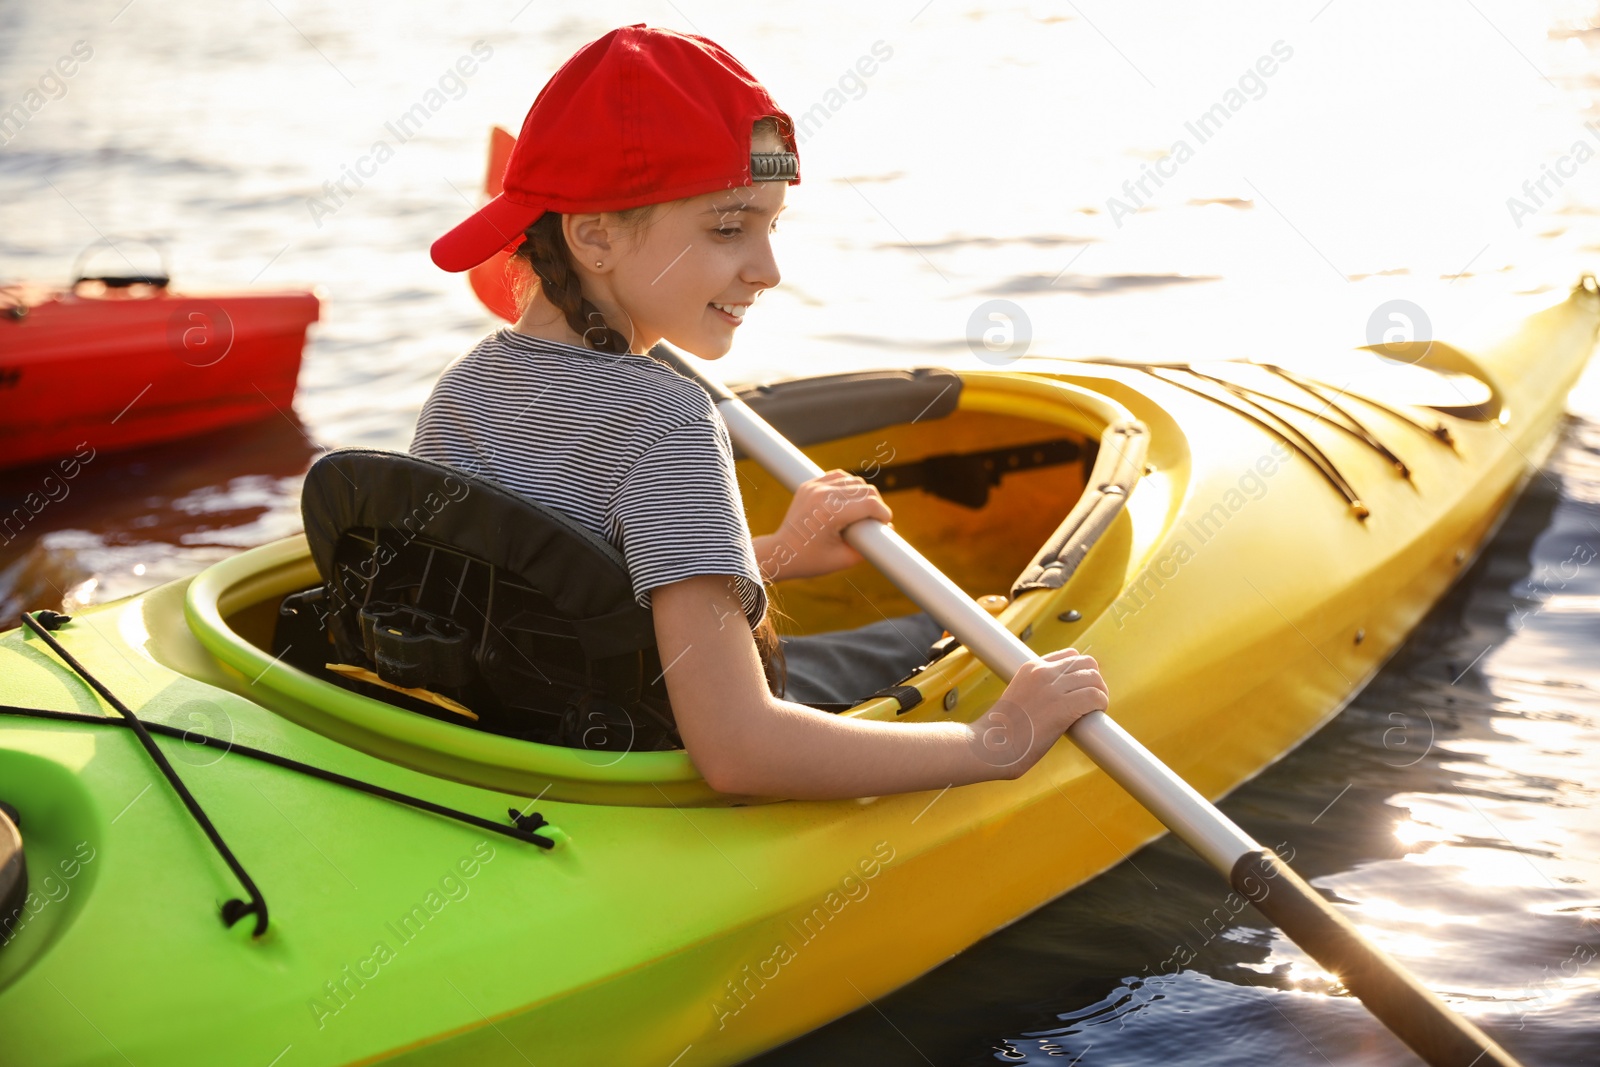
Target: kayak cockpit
{"points": [[981, 470]]}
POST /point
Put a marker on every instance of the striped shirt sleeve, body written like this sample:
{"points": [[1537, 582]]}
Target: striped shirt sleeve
{"points": [[678, 513]]}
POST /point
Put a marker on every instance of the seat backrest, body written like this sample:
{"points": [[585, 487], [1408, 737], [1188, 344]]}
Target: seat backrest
{"points": [[438, 580]]}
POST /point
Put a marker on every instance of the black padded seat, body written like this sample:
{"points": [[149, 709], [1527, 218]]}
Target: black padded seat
{"points": [[440, 581]]}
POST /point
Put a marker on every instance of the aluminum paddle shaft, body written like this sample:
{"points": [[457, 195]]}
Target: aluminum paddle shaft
{"points": [[1409, 1009]]}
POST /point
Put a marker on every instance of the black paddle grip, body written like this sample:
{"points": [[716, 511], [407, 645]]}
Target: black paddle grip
{"points": [[1410, 1010]]}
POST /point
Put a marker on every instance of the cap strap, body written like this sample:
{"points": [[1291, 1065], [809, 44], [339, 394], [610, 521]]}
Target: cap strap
{"points": [[774, 166]]}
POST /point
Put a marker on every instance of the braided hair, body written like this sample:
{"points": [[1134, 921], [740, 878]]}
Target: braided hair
{"points": [[545, 253]]}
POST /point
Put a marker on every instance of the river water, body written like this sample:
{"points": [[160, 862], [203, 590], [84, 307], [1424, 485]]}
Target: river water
{"points": [[1436, 153]]}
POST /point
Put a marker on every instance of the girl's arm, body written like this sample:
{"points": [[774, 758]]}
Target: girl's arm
{"points": [[808, 543], [746, 741]]}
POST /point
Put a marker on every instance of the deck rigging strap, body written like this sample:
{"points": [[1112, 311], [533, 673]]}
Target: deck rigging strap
{"points": [[523, 825], [1438, 431], [522, 829], [1243, 399], [1355, 429], [1288, 434], [1304, 441], [232, 910]]}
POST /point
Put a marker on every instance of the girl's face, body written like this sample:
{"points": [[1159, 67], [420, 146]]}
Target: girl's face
{"points": [[696, 267]]}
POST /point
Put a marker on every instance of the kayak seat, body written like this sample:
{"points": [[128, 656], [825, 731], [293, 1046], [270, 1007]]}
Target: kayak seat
{"points": [[455, 597]]}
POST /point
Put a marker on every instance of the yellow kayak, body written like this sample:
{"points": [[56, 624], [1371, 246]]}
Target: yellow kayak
{"points": [[1240, 546]]}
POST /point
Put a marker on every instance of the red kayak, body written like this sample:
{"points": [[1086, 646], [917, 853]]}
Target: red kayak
{"points": [[117, 362]]}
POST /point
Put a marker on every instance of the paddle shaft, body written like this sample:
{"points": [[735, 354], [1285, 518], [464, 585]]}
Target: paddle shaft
{"points": [[1409, 1009]]}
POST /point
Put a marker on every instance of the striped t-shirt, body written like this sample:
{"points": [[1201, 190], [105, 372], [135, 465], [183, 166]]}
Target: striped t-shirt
{"points": [[624, 444]]}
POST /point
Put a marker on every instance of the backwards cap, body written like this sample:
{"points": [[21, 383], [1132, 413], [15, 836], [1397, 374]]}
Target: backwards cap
{"points": [[639, 116]]}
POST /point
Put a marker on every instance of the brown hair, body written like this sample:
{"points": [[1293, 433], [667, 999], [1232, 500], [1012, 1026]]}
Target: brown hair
{"points": [[544, 256], [773, 665]]}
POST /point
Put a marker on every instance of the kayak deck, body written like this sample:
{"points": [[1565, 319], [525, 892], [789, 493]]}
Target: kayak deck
{"points": [[1234, 604]]}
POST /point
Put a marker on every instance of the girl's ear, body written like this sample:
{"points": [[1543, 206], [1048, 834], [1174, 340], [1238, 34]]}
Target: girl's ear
{"points": [[588, 239]]}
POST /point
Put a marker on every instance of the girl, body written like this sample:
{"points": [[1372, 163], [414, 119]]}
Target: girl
{"points": [[641, 195]]}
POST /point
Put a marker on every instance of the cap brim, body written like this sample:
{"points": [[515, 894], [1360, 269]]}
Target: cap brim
{"points": [[496, 225]]}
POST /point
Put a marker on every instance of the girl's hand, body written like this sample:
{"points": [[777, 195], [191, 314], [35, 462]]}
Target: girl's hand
{"points": [[809, 542], [1044, 697]]}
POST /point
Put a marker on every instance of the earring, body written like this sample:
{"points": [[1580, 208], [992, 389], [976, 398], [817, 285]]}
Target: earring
{"points": [[597, 263]]}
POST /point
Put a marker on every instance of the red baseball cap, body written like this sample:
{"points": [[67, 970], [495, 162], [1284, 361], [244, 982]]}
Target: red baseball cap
{"points": [[639, 116]]}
